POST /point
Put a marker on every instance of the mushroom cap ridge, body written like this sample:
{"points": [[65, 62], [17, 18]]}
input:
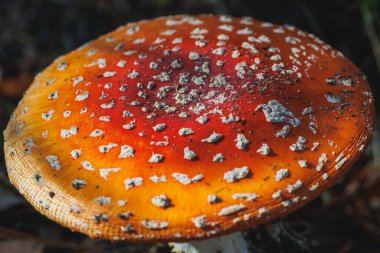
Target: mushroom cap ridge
{"points": [[187, 127]]}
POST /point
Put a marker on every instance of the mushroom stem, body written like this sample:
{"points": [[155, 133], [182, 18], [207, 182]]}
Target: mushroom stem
{"points": [[233, 243]]}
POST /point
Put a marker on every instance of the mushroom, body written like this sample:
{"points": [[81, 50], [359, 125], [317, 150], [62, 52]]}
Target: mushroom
{"points": [[187, 128]]}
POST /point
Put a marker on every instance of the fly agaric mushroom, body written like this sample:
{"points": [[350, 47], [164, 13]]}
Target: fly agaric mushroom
{"points": [[187, 127]]}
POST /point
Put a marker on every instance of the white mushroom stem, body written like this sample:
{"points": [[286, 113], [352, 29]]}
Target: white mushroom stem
{"points": [[233, 243]]}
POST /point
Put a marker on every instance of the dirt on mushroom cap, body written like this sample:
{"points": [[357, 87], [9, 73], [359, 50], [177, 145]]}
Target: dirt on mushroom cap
{"points": [[133, 132]]}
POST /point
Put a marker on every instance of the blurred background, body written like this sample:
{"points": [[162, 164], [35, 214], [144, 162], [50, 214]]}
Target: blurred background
{"points": [[34, 32]]}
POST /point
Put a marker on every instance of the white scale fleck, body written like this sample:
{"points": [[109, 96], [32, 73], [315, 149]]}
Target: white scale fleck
{"points": [[75, 209], [189, 154], [134, 74], [87, 165], [241, 142], [245, 196], [53, 162], [277, 194], [123, 202], [159, 127], [307, 111], [105, 118], [158, 40], [91, 52], [104, 172], [96, 133], [62, 66], [50, 81], [219, 157], [201, 43], [303, 163], [156, 158], [139, 41], [19, 128], [101, 63], [218, 81], [333, 98], [231, 209], [106, 148], [321, 161], [158, 179], [240, 69], [153, 65], [76, 153], [161, 201], [127, 114], [130, 52], [213, 199], [130, 125], [219, 51], [213, 138], [177, 41], [66, 133], [185, 131], [83, 96], [108, 85], [235, 53], [29, 144], [45, 134], [236, 174], [244, 31], [123, 87], [223, 37], [299, 145], [161, 143], [109, 73], [275, 57], [133, 182], [48, 115], [126, 152], [155, 224], [176, 64], [313, 127], [314, 187], [199, 80], [294, 187], [315, 146], [194, 56], [200, 221], [132, 30], [277, 113], [121, 64], [278, 67], [262, 211], [163, 77], [103, 200], [197, 108], [250, 47], [231, 119], [340, 161], [225, 27], [127, 228], [184, 179], [53, 96], [264, 149], [66, 114], [136, 103], [281, 174], [292, 40]]}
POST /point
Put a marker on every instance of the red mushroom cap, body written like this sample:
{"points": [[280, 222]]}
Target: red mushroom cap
{"points": [[187, 127]]}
